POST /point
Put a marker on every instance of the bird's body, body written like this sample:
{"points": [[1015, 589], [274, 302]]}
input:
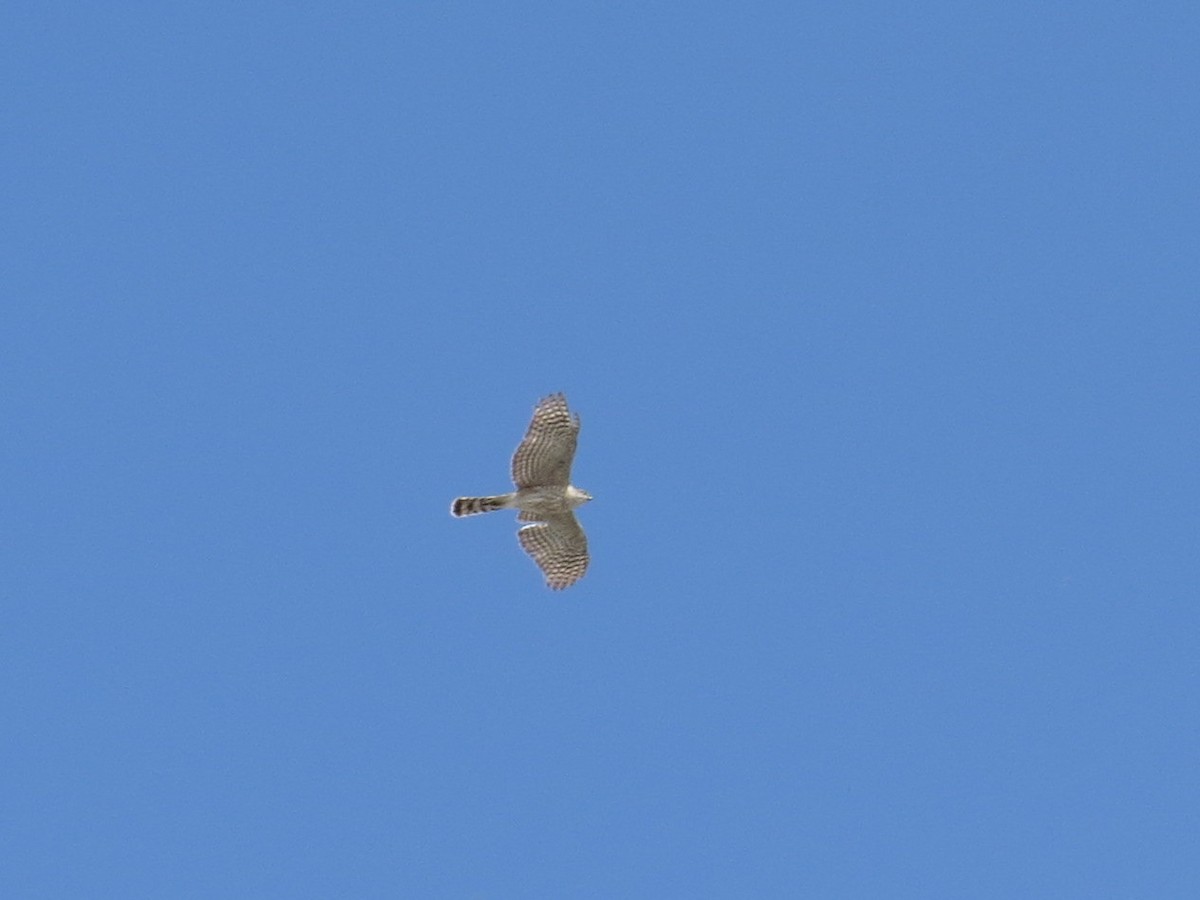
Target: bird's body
{"points": [[541, 470], [534, 502]]}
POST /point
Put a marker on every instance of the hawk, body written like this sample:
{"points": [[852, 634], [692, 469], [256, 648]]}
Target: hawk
{"points": [[541, 470]]}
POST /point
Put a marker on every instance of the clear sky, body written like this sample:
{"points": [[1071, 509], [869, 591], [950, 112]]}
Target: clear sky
{"points": [[883, 323]]}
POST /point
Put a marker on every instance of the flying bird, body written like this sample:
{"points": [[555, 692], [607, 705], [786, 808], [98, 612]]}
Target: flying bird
{"points": [[541, 470]]}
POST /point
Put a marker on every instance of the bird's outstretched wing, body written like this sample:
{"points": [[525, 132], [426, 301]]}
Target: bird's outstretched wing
{"points": [[559, 547], [544, 457]]}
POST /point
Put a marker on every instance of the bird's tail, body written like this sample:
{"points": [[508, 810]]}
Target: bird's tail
{"points": [[473, 506]]}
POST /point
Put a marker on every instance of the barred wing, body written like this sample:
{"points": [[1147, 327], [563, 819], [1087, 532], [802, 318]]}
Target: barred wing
{"points": [[545, 455], [559, 547]]}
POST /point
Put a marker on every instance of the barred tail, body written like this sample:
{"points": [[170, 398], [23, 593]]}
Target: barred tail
{"points": [[473, 506]]}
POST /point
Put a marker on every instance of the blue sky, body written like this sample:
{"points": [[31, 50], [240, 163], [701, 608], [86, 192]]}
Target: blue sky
{"points": [[882, 322]]}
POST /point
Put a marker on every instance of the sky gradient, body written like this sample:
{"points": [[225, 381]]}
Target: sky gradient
{"points": [[883, 325]]}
